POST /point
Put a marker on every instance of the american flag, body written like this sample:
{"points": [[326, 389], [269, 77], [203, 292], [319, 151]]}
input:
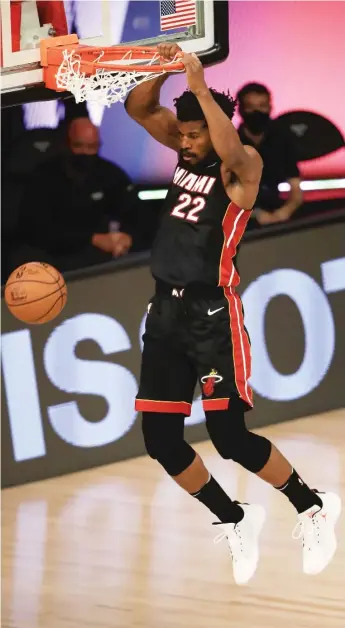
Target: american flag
{"points": [[177, 13]]}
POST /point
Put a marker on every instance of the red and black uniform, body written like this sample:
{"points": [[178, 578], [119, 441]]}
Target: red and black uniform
{"points": [[195, 328]]}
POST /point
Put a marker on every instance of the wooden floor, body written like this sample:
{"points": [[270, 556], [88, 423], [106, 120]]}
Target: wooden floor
{"points": [[123, 547]]}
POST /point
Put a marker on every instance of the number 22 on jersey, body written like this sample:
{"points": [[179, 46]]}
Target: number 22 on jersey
{"points": [[188, 207]]}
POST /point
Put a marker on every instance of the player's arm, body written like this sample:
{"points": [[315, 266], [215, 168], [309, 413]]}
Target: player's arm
{"points": [[143, 106], [244, 161]]}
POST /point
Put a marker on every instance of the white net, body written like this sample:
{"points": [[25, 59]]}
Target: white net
{"points": [[105, 87]]}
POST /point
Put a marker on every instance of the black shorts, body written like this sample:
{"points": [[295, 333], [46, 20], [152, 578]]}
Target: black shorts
{"points": [[191, 335]]}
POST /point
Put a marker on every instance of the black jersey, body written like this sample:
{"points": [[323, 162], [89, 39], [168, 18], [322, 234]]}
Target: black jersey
{"points": [[200, 229]]}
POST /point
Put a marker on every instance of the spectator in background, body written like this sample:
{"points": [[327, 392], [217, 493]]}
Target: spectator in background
{"points": [[78, 207], [277, 152]]}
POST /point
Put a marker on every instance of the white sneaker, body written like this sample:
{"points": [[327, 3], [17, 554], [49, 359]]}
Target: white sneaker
{"points": [[316, 528], [243, 540]]}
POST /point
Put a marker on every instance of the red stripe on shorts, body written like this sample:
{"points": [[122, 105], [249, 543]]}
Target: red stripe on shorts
{"points": [[215, 404], [148, 405], [240, 346]]}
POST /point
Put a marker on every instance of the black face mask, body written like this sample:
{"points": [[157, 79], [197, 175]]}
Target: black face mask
{"points": [[82, 163], [256, 121]]}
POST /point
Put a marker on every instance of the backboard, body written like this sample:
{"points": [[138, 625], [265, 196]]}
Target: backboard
{"points": [[199, 26]]}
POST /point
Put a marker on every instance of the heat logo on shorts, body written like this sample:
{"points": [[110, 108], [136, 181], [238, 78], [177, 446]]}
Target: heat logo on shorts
{"points": [[209, 381]]}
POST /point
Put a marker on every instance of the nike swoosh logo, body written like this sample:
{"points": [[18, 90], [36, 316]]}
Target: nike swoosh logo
{"points": [[211, 165], [215, 311]]}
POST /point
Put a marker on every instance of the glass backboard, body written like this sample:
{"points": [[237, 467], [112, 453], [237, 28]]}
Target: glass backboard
{"points": [[199, 26]]}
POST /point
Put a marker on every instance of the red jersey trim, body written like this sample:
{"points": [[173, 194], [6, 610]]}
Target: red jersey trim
{"points": [[234, 224]]}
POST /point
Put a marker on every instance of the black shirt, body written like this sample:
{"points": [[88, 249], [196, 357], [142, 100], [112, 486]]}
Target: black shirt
{"points": [[61, 210], [280, 164], [200, 229]]}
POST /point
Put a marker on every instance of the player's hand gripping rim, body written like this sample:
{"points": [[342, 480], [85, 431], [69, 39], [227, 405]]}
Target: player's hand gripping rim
{"points": [[193, 66]]}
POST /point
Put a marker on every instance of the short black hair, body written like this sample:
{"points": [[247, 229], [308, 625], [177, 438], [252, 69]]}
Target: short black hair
{"points": [[188, 108], [249, 88]]}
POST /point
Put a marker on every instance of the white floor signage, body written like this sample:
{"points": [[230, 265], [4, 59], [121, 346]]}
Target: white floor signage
{"points": [[118, 386]]}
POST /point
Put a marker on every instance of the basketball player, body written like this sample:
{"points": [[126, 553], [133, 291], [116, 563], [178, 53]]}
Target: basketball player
{"points": [[195, 329]]}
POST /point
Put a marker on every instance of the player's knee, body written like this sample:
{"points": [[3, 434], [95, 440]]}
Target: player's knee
{"points": [[233, 441], [251, 451], [164, 442]]}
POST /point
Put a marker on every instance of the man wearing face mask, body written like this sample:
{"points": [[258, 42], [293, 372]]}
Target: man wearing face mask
{"points": [[277, 152], [78, 207]]}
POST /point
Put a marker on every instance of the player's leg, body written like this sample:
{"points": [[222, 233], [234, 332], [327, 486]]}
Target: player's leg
{"points": [[233, 441], [165, 395], [317, 512], [207, 314], [164, 440], [255, 453]]}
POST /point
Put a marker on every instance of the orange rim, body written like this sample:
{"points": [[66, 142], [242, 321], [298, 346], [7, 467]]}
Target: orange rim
{"points": [[95, 58], [90, 57]]}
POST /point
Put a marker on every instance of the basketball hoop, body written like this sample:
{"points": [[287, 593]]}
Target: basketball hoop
{"points": [[102, 75]]}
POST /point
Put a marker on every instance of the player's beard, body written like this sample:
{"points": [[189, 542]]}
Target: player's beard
{"points": [[186, 153], [204, 161]]}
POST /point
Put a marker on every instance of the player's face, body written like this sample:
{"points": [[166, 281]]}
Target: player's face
{"points": [[195, 141]]}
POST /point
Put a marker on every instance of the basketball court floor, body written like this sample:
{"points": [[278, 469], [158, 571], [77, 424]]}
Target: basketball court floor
{"points": [[122, 546]]}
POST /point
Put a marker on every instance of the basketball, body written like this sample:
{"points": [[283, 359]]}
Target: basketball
{"points": [[35, 293]]}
